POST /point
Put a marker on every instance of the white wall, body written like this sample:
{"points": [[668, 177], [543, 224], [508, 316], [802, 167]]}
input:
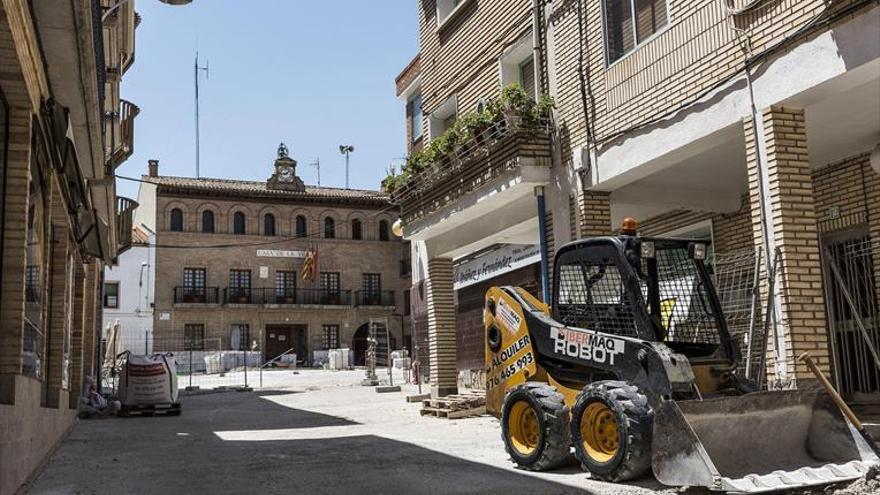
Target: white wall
{"points": [[136, 296]]}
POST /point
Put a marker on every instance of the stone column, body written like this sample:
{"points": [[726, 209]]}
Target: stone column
{"points": [[785, 184], [595, 214], [441, 327]]}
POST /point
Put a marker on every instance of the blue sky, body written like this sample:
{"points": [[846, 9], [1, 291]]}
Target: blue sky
{"points": [[314, 74]]}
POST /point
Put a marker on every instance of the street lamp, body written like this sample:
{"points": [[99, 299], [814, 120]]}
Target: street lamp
{"points": [[120, 3], [346, 149]]}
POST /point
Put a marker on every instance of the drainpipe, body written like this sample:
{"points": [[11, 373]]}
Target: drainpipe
{"points": [[542, 233], [536, 43]]}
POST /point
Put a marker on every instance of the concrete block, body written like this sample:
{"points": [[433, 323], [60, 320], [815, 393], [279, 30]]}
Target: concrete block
{"points": [[388, 388]]}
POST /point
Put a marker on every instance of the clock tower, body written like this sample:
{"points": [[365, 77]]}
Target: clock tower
{"points": [[285, 172]]}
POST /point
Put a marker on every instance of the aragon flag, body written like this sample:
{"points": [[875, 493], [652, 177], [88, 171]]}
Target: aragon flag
{"points": [[310, 265]]}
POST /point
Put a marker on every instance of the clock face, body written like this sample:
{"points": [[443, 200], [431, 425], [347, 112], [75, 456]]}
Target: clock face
{"points": [[285, 173]]}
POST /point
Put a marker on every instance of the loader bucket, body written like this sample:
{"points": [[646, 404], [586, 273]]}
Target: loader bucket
{"points": [[757, 442]]}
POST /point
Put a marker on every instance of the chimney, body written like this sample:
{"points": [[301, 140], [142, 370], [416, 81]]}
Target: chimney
{"points": [[153, 167]]}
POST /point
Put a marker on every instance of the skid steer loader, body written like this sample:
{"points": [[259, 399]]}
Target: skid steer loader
{"points": [[632, 365]]}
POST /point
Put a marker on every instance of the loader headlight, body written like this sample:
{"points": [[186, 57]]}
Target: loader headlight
{"points": [[493, 338], [648, 249], [697, 251]]}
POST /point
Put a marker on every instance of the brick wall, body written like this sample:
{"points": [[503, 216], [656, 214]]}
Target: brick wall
{"points": [[595, 214], [695, 51], [441, 327], [792, 217], [730, 231], [461, 58]]}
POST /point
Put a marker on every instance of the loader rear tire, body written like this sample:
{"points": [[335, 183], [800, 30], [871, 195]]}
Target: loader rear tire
{"points": [[611, 426], [534, 426]]}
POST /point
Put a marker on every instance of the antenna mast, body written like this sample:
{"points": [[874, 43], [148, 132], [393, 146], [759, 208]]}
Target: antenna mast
{"points": [[317, 165], [196, 70]]}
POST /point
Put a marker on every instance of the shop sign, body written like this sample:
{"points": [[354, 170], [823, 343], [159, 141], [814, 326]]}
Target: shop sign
{"points": [[505, 258]]}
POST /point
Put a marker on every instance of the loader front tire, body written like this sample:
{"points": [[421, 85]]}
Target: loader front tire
{"points": [[611, 426], [534, 426]]}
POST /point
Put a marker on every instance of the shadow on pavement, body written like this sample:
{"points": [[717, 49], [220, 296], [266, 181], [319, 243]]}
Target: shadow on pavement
{"points": [[184, 455]]}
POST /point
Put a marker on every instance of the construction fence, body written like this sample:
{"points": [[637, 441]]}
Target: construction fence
{"points": [[205, 363]]}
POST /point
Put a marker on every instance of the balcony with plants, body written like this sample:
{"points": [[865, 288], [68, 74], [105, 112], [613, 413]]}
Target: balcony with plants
{"points": [[479, 147]]}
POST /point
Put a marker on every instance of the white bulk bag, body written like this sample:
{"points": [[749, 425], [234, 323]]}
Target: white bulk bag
{"points": [[148, 380]]}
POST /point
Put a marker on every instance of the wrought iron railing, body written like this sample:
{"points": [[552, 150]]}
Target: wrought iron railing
{"points": [[124, 221], [197, 295], [234, 295], [121, 133], [374, 298]]}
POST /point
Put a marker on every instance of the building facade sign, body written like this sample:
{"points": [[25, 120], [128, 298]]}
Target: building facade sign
{"points": [[505, 258], [275, 253]]}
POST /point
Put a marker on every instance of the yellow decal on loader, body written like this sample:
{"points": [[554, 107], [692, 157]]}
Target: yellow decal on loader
{"points": [[514, 361]]}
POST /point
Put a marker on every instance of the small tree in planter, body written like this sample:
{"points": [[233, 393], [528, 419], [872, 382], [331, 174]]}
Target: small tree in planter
{"points": [[513, 104]]}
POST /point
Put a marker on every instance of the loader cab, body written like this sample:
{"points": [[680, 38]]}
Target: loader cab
{"points": [[652, 289]]}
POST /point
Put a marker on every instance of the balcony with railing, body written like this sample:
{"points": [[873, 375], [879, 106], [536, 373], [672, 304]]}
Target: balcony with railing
{"points": [[505, 145], [375, 298], [270, 296], [119, 136], [196, 295], [124, 221]]}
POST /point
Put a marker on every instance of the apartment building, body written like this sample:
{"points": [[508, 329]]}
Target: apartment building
{"points": [[127, 296], [273, 265], [749, 123], [64, 132]]}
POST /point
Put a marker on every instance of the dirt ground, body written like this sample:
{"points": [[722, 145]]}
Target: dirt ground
{"points": [[318, 433]]}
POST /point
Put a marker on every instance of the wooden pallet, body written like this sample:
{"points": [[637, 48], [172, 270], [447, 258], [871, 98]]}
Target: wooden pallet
{"points": [[453, 414], [152, 410], [455, 406]]}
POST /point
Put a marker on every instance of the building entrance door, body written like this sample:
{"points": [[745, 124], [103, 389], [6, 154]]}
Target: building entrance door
{"points": [[282, 338]]}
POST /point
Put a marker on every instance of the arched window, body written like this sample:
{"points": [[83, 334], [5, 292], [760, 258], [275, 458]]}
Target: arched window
{"points": [[238, 223], [357, 231], [329, 228], [176, 220], [208, 222], [383, 230], [269, 224], [301, 228]]}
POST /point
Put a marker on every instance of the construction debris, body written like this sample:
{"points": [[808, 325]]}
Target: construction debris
{"points": [[455, 406]]}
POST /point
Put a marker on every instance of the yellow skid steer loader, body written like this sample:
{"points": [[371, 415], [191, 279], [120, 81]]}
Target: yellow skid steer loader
{"points": [[633, 366]]}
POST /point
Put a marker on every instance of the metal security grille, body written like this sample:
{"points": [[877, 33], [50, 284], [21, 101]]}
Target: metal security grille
{"points": [[194, 337], [240, 337], [591, 296], [194, 280], [330, 337], [330, 282], [681, 304], [372, 288], [851, 300], [239, 281], [285, 283], [737, 280]]}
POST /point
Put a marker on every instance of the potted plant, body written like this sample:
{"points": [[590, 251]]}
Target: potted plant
{"points": [[513, 104], [539, 112]]}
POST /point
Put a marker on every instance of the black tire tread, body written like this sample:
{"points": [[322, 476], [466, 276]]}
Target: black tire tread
{"points": [[639, 428], [557, 443]]}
